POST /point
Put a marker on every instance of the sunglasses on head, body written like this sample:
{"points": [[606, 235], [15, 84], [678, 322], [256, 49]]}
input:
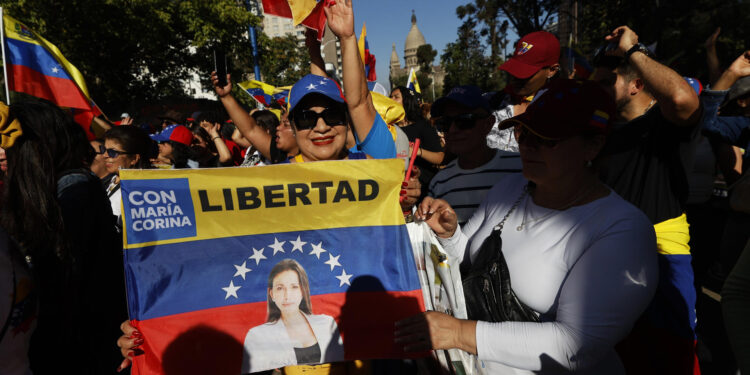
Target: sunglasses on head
{"points": [[523, 134], [112, 153], [307, 119]]}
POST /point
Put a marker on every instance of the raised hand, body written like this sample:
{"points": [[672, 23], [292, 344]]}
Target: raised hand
{"points": [[741, 66], [624, 38], [340, 17], [711, 41], [221, 91]]}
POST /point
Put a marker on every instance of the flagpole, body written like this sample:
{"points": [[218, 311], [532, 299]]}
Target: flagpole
{"points": [[5, 66]]}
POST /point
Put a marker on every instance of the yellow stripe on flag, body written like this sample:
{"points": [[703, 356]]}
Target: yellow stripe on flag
{"points": [[222, 197]]}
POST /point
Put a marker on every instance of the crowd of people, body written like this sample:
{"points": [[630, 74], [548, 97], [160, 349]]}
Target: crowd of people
{"points": [[591, 193]]}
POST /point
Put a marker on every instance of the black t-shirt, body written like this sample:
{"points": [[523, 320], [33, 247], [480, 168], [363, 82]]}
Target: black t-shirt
{"points": [[642, 163], [428, 140]]}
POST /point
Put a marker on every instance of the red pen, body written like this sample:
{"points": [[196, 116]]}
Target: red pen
{"points": [[414, 150]]}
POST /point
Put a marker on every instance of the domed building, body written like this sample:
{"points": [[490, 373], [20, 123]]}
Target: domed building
{"points": [[414, 40]]}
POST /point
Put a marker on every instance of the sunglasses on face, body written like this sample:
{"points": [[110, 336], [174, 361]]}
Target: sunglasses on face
{"points": [[308, 119], [101, 150], [523, 134], [112, 153], [464, 121]]}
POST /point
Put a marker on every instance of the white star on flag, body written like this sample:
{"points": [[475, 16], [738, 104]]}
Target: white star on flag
{"points": [[257, 255], [297, 245], [333, 261], [317, 250], [278, 247], [231, 290], [55, 70], [311, 87], [241, 270], [322, 82], [344, 278]]}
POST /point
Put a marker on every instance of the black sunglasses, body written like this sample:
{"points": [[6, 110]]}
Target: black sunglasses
{"points": [[101, 150], [523, 134], [464, 121], [112, 153], [307, 119]]}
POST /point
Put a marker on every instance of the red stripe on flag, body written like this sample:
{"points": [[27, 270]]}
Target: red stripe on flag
{"points": [[277, 8], [212, 341], [317, 19], [60, 91]]}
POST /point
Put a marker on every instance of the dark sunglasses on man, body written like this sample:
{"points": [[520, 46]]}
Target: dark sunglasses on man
{"points": [[464, 121], [307, 119]]}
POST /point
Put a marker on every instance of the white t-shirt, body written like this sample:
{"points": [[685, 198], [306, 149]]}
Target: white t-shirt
{"points": [[14, 344], [590, 271], [465, 189]]}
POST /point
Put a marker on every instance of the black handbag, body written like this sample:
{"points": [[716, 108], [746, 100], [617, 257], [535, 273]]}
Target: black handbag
{"points": [[487, 289]]}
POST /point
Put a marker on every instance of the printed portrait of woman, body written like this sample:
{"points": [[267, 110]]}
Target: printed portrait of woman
{"points": [[291, 334]]}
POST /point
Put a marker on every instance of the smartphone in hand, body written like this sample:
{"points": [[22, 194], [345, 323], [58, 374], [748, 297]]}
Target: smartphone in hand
{"points": [[220, 66]]}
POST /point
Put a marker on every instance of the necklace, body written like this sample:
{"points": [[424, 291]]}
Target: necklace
{"points": [[552, 212]]}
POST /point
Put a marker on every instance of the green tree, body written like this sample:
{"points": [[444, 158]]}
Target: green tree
{"points": [[678, 29], [465, 63], [526, 16], [485, 13], [282, 61], [425, 58]]}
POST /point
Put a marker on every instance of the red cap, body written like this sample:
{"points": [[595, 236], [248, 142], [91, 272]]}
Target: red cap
{"points": [[181, 134], [568, 108], [533, 52]]}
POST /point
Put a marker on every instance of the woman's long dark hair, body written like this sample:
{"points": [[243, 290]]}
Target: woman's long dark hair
{"points": [[199, 131], [133, 140], [51, 144], [288, 265], [180, 154], [411, 104], [268, 121]]}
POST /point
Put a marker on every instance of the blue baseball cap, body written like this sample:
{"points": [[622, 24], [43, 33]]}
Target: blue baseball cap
{"points": [[469, 96], [313, 84]]}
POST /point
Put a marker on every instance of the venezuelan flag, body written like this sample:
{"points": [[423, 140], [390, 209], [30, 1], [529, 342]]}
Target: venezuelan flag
{"points": [[308, 13], [412, 83], [368, 59], [201, 246], [260, 91], [37, 68]]}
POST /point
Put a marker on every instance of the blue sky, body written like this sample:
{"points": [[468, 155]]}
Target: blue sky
{"points": [[389, 21]]}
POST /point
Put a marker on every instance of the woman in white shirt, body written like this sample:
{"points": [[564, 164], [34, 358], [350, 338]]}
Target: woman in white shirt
{"points": [[578, 255]]}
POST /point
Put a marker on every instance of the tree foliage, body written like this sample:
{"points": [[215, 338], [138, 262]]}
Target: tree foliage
{"points": [[679, 29], [465, 63], [425, 58]]}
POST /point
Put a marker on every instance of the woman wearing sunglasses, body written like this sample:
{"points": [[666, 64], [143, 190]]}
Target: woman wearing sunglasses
{"points": [[98, 165], [580, 259], [124, 147]]}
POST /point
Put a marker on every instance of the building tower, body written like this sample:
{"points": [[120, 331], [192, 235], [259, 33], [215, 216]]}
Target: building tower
{"points": [[414, 40]]}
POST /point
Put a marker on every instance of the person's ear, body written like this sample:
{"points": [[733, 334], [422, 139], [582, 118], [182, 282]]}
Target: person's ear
{"points": [[553, 69], [636, 86]]}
